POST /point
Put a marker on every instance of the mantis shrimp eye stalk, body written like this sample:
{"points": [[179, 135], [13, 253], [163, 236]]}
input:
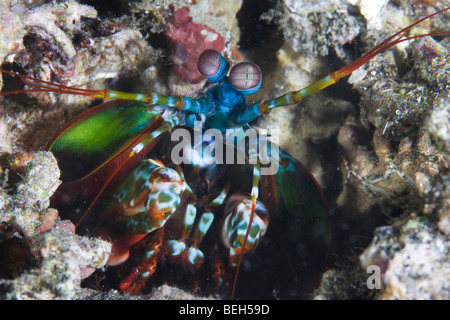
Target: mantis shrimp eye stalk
{"points": [[246, 78], [212, 65]]}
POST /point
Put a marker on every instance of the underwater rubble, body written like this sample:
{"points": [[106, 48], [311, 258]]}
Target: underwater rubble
{"points": [[41, 256], [378, 144]]}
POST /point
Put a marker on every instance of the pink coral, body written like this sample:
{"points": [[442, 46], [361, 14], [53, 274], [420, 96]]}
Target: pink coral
{"points": [[190, 40]]}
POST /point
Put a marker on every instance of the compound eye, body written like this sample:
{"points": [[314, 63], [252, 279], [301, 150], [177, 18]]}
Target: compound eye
{"points": [[246, 77], [212, 65]]}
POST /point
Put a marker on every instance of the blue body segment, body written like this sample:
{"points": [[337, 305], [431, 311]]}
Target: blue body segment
{"points": [[251, 113], [226, 104]]}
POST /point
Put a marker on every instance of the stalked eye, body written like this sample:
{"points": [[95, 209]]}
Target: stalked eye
{"points": [[212, 65], [246, 77]]}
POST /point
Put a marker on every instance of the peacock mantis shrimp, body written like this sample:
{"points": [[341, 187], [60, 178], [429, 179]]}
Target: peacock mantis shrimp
{"points": [[200, 217]]}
